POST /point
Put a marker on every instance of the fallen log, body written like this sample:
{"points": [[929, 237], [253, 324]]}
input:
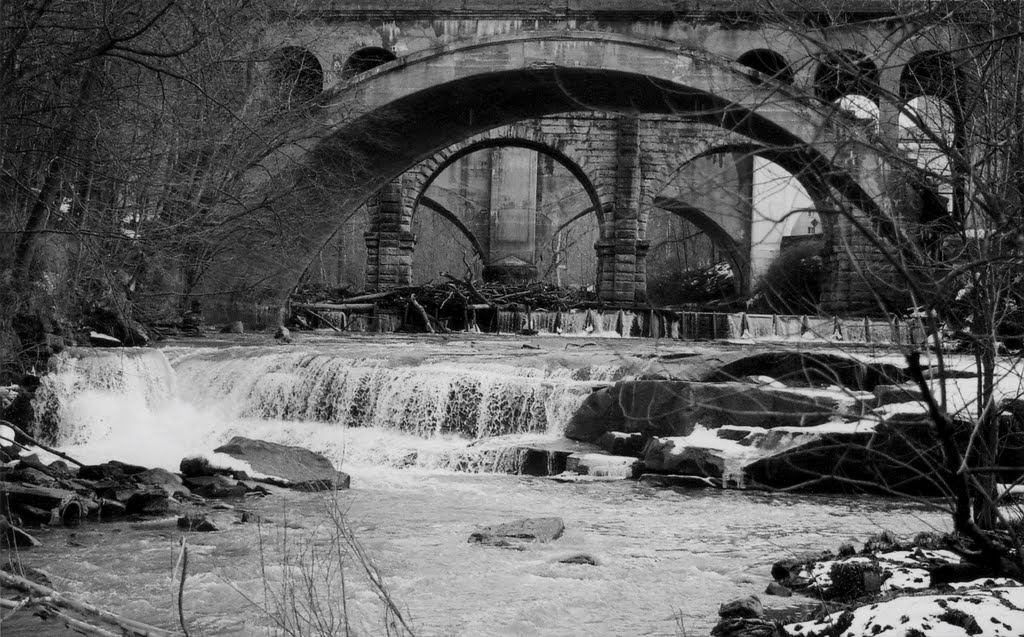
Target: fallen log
{"points": [[375, 296], [57, 599]]}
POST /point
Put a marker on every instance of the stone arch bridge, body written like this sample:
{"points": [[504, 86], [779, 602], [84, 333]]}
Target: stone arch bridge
{"points": [[624, 97]]}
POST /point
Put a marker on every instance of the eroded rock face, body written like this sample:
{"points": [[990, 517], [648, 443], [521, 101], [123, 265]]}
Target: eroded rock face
{"points": [[299, 468], [517, 532]]}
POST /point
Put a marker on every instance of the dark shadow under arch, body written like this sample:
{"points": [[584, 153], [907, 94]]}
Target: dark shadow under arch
{"points": [[768, 62], [364, 59], [298, 75], [846, 72]]}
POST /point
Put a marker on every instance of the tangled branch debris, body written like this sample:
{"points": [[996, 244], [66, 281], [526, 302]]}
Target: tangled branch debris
{"points": [[437, 306]]}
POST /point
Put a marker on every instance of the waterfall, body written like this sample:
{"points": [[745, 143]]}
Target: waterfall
{"points": [[399, 407], [469, 399], [79, 379]]}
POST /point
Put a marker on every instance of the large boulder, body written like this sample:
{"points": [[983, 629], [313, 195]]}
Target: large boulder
{"points": [[674, 408], [171, 483], [511, 534], [297, 467]]}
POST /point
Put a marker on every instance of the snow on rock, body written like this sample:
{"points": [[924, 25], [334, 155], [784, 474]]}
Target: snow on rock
{"points": [[986, 582], [991, 612], [901, 570]]}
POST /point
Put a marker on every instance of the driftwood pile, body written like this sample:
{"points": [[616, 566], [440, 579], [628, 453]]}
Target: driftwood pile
{"points": [[439, 307]]}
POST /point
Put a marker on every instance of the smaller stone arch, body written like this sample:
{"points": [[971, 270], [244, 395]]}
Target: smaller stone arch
{"points": [[733, 250], [769, 63], [297, 74], [399, 211], [931, 73], [430, 169], [931, 125], [665, 167], [846, 73], [364, 59], [791, 160]]}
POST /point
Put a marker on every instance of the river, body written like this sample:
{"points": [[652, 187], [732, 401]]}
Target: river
{"points": [[402, 417]]}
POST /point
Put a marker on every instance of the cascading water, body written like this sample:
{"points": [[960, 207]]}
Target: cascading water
{"points": [[392, 409], [82, 381]]}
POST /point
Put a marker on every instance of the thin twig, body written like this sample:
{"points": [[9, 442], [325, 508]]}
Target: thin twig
{"points": [[181, 587]]}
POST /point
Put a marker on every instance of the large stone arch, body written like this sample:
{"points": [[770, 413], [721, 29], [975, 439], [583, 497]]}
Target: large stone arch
{"points": [[370, 129]]}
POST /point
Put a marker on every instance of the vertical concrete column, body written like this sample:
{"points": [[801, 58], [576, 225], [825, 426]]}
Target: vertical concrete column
{"points": [[889, 108], [745, 184], [512, 239], [389, 241], [620, 277]]}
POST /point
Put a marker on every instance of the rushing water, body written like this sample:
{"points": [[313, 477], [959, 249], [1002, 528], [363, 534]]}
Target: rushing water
{"points": [[401, 418]]}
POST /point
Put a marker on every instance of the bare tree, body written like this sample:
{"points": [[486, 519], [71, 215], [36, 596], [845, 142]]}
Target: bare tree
{"points": [[127, 130], [951, 129]]}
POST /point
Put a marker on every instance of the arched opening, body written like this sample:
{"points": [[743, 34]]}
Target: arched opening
{"points": [[519, 204], [297, 75], [849, 80], [930, 129], [768, 62], [758, 198], [365, 59], [692, 259]]}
